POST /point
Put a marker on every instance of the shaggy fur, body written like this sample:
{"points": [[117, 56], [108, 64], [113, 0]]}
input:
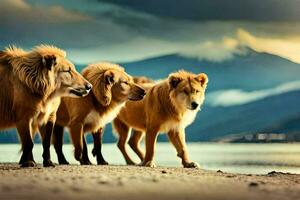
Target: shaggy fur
{"points": [[29, 80], [169, 106], [28, 68], [145, 83], [69, 83], [112, 87]]}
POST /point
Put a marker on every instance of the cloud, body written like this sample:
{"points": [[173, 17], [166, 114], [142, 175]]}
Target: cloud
{"points": [[137, 49], [14, 10], [286, 48], [203, 10], [92, 31], [27, 24], [144, 47], [234, 97], [215, 51]]}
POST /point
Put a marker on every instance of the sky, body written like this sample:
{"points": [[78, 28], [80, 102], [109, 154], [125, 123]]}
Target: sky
{"points": [[126, 31]]}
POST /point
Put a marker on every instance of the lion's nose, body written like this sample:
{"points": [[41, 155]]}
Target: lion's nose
{"points": [[194, 105], [88, 86]]}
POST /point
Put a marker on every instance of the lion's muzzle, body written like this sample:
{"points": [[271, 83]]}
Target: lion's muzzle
{"points": [[136, 93], [80, 92]]}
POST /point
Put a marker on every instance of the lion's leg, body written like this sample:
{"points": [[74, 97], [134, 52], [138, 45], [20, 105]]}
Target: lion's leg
{"points": [[97, 150], [134, 143], [85, 157], [122, 145], [30, 158], [177, 138], [46, 133], [123, 132], [76, 132], [24, 131], [151, 138], [58, 140]]}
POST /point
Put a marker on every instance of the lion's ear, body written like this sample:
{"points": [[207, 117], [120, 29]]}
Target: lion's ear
{"points": [[49, 61], [174, 81], [203, 79], [109, 78], [103, 91]]}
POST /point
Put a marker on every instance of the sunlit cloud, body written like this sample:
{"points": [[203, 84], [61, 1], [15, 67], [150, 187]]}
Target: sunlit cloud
{"points": [[288, 48], [235, 97], [21, 11]]}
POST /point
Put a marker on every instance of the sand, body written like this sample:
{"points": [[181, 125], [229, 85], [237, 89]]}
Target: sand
{"points": [[133, 182]]}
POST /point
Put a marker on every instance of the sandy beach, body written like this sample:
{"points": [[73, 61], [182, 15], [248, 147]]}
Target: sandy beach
{"points": [[133, 182]]}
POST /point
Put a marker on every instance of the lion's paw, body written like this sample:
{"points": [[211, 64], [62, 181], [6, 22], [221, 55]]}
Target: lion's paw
{"points": [[191, 165], [148, 164]]}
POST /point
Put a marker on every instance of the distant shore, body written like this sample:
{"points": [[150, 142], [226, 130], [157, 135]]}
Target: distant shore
{"points": [[132, 182]]}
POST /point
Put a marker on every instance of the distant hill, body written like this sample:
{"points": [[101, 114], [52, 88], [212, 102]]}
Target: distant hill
{"points": [[266, 115], [253, 71], [291, 124]]}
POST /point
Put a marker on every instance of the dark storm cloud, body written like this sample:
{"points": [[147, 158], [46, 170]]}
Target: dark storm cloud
{"points": [[132, 30], [257, 10]]}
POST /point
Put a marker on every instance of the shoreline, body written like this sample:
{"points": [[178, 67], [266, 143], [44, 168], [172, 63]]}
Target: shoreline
{"points": [[237, 158], [134, 182]]}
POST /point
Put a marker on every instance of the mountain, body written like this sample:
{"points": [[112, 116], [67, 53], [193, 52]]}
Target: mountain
{"points": [[249, 72], [252, 71], [272, 114], [290, 125]]}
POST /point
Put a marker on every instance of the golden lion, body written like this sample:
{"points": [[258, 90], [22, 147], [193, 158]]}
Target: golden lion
{"points": [[31, 84], [169, 106], [112, 87]]}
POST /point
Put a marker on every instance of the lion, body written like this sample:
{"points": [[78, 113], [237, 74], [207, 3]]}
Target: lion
{"points": [[169, 106], [70, 83], [31, 82], [112, 87], [145, 83]]}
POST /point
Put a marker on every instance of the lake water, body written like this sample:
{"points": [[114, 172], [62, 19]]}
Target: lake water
{"points": [[236, 158]]}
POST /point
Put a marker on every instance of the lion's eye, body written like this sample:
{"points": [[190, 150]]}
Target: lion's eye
{"points": [[126, 83], [67, 71], [186, 92], [197, 91]]}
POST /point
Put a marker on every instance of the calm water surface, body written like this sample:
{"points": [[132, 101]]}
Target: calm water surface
{"points": [[237, 158]]}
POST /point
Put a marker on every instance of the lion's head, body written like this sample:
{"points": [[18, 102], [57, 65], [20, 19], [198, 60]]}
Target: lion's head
{"points": [[45, 70], [187, 90], [112, 83]]}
